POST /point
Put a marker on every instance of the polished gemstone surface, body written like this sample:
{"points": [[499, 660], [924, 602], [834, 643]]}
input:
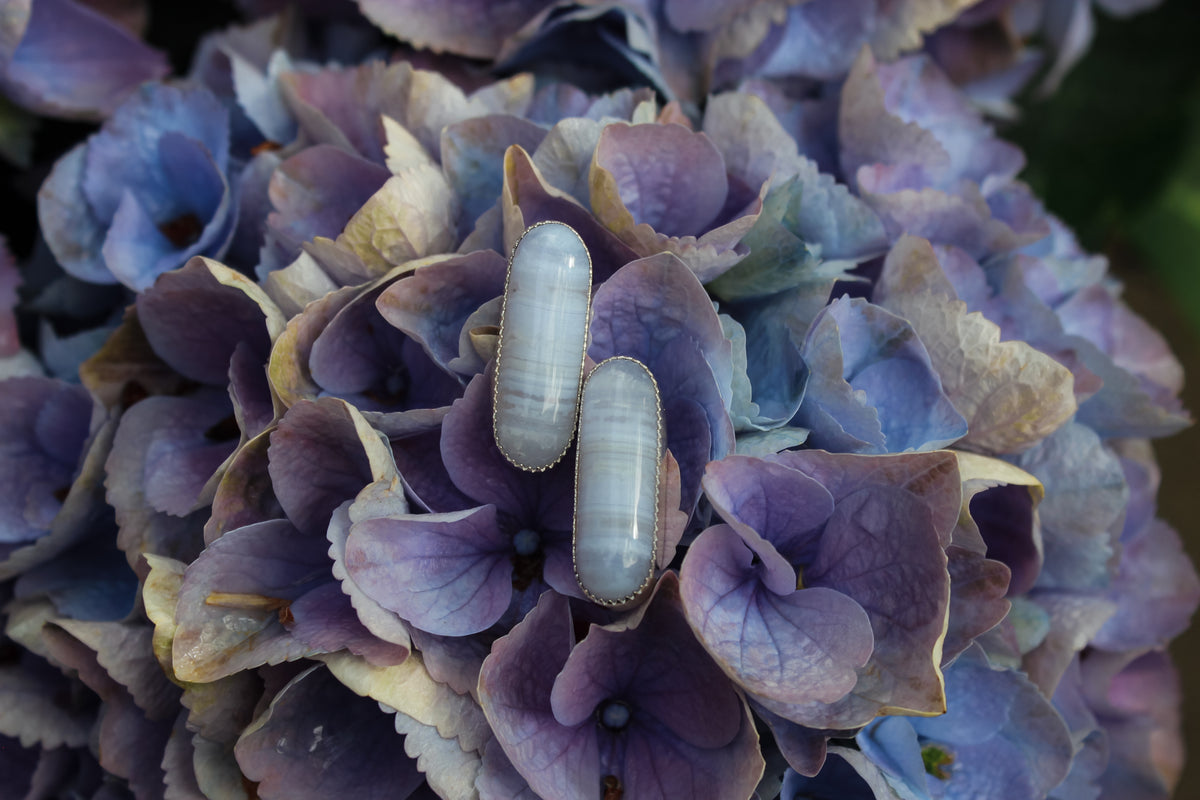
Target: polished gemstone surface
{"points": [[543, 336], [616, 493]]}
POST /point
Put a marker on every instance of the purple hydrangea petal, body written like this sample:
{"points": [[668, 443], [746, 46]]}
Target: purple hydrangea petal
{"points": [[1074, 620], [384, 624], [196, 317], [244, 495], [463, 27], [374, 365], [514, 691], [419, 460], [665, 176], [773, 364], [803, 748], [75, 62], [612, 663], [801, 647], [319, 739], [1156, 591], [709, 242], [90, 581], [655, 311], [479, 470], [778, 512], [1007, 522], [978, 587], [445, 573], [529, 199], [45, 426], [324, 620], [880, 549], [168, 449], [315, 193], [131, 745], [1136, 699], [933, 477], [857, 353], [229, 613], [433, 303], [322, 454], [28, 686]]}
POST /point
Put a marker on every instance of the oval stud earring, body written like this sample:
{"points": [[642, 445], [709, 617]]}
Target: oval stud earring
{"points": [[543, 340], [616, 482]]}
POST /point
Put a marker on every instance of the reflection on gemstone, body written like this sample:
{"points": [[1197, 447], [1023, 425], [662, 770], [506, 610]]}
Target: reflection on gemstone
{"points": [[543, 338], [616, 481]]}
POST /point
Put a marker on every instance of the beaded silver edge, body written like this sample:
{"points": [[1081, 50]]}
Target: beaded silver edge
{"points": [[659, 428], [500, 347]]}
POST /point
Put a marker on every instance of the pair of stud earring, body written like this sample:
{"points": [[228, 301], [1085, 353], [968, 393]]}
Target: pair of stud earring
{"points": [[540, 399]]}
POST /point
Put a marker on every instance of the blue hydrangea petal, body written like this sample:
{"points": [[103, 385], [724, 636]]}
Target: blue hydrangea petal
{"points": [[71, 228], [125, 153]]}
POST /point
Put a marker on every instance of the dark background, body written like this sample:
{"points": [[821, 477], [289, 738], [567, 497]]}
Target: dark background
{"points": [[1116, 153]]}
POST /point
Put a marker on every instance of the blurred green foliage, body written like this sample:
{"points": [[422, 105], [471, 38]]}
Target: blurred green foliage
{"points": [[1116, 151]]}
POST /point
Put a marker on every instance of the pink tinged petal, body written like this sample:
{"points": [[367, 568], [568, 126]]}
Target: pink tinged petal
{"points": [[515, 690], [799, 648], [384, 624], [448, 574], [870, 134], [661, 176]]}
